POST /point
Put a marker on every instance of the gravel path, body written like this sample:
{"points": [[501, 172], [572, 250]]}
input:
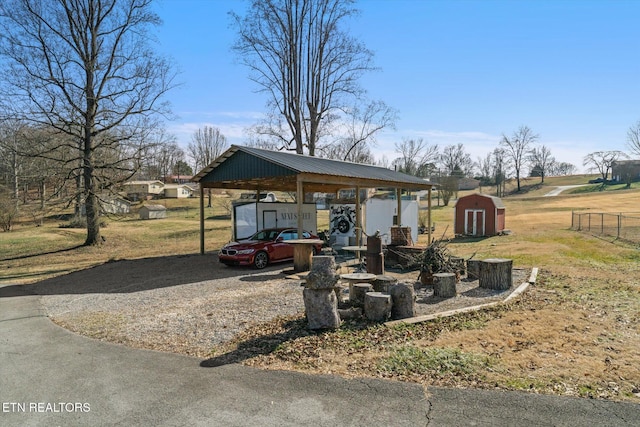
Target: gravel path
{"points": [[163, 303]]}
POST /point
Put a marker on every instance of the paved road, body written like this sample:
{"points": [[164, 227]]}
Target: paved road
{"points": [[51, 377]]}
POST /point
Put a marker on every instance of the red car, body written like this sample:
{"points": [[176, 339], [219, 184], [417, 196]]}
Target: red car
{"points": [[263, 248]]}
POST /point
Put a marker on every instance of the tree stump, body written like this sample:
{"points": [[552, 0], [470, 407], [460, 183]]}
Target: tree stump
{"points": [[495, 273], [377, 306], [357, 292], [323, 273], [444, 285], [403, 301], [473, 269], [382, 283], [321, 307]]}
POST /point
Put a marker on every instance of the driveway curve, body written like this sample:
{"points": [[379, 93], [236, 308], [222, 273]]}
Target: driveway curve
{"points": [[556, 191], [50, 376]]}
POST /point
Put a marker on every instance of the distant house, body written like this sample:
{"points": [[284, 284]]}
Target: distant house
{"points": [[621, 169], [177, 191], [479, 215], [143, 190], [153, 212], [177, 179]]}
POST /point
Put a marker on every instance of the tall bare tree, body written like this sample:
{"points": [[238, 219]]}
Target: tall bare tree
{"points": [[633, 138], [86, 69], [417, 157], [517, 146], [206, 145], [456, 161], [299, 54], [541, 160], [602, 161]]}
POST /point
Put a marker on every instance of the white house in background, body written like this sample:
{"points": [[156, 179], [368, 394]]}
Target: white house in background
{"points": [[177, 191], [137, 190]]}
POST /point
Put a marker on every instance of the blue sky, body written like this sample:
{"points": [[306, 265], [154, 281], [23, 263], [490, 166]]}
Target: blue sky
{"points": [[456, 71]]}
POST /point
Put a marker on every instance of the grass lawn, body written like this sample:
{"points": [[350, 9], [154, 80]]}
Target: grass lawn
{"points": [[577, 332]]}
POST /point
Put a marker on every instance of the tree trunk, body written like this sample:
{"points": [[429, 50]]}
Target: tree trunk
{"points": [[403, 301], [358, 292], [444, 285], [377, 306], [495, 273], [473, 269]]}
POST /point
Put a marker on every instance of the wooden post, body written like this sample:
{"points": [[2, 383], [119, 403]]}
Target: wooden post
{"points": [[299, 202], [201, 219], [399, 208], [444, 285], [429, 216], [495, 273]]}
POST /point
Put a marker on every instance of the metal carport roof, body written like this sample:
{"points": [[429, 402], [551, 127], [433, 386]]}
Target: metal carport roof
{"points": [[257, 169]]}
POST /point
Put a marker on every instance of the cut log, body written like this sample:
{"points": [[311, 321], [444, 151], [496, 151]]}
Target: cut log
{"points": [[323, 273], [382, 283], [403, 301], [444, 285], [473, 269], [377, 306], [321, 307], [495, 273], [357, 292]]}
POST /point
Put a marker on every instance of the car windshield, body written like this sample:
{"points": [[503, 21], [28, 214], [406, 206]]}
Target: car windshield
{"points": [[265, 235]]}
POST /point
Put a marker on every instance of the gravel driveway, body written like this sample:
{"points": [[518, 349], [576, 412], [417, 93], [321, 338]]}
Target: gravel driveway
{"points": [[188, 304]]}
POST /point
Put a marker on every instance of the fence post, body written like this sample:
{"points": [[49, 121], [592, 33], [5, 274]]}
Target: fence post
{"points": [[619, 225]]}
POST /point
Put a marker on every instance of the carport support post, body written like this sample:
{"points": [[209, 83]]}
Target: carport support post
{"points": [[399, 208], [358, 219], [201, 219], [299, 201], [429, 216]]}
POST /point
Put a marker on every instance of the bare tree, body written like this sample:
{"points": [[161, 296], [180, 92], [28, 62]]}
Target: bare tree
{"points": [[541, 160], [633, 138], [456, 161], [417, 157], [500, 169], [299, 54], [517, 146], [602, 161], [206, 145], [85, 69], [562, 168], [361, 127]]}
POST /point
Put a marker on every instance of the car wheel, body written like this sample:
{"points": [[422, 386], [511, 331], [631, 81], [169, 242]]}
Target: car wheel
{"points": [[261, 260]]}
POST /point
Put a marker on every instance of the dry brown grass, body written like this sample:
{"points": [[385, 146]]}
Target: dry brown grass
{"points": [[577, 332]]}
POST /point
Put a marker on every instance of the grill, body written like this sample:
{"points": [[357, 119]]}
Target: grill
{"points": [[229, 251]]}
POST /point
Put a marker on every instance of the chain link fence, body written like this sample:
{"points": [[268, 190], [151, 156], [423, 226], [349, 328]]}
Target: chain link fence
{"points": [[624, 226]]}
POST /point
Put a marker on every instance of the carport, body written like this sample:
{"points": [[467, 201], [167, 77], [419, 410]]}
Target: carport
{"points": [[246, 168]]}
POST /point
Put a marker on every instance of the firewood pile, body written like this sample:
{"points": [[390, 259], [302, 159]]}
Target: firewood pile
{"points": [[436, 258]]}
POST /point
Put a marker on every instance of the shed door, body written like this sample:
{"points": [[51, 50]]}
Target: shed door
{"points": [[269, 219], [474, 222]]}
